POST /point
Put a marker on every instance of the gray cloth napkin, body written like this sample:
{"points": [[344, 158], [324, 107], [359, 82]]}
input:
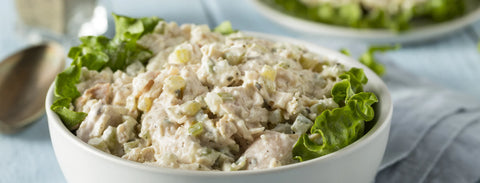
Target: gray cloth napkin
{"points": [[435, 133]]}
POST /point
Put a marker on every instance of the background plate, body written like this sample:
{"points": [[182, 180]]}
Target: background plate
{"points": [[416, 33]]}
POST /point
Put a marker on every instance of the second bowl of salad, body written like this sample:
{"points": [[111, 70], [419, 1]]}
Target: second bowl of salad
{"points": [[373, 20]]}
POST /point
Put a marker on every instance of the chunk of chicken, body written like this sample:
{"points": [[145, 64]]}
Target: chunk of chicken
{"points": [[272, 149]]}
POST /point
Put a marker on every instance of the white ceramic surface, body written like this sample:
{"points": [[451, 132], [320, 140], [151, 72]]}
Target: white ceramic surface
{"points": [[357, 162], [416, 33]]}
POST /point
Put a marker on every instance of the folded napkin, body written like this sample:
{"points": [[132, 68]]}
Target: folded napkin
{"points": [[435, 133]]}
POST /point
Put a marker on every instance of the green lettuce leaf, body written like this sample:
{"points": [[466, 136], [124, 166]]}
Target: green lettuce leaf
{"points": [[341, 91], [350, 14], [96, 53], [65, 91], [340, 127], [368, 58], [133, 28], [65, 82], [442, 10], [225, 28], [70, 118], [356, 16], [356, 77], [345, 52], [361, 105]]}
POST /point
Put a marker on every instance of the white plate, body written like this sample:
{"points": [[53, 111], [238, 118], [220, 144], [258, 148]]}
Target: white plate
{"points": [[416, 32]]}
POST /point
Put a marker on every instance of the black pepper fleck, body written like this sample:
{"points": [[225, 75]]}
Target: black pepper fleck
{"points": [[308, 110], [259, 87]]}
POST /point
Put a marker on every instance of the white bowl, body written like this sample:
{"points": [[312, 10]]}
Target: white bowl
{"points": [[418, 32], [358, 162]]}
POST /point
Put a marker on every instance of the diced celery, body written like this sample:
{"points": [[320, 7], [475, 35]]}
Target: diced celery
{"points": [[196, 129], [319, 67], [99, 143], [211, 66], [239, 164], [307, 62], [182, 55], [190, 108], [144, 103], [127, 147], [283, 65], [175, 85], [110, 137], [234, 57], [269, 73]]}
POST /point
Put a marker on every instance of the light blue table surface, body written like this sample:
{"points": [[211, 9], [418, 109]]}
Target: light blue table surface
{"points": [[451, 61]]}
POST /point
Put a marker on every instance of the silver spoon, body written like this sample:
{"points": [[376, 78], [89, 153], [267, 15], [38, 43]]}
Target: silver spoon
{"points": [[24, 80]]}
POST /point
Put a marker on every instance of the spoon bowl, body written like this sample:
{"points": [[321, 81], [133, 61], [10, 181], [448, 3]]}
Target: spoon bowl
{"points": [[24, 80]]}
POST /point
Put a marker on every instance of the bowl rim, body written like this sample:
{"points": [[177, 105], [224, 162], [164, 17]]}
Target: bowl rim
{"points": [[415, 34], [382, 124]]}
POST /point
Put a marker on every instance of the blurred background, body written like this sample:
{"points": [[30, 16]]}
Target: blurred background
{"points": [[451, 61]]}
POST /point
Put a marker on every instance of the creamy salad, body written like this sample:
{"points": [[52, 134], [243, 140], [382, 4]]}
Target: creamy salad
{"points": [[206, 101], [397, 15]]}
